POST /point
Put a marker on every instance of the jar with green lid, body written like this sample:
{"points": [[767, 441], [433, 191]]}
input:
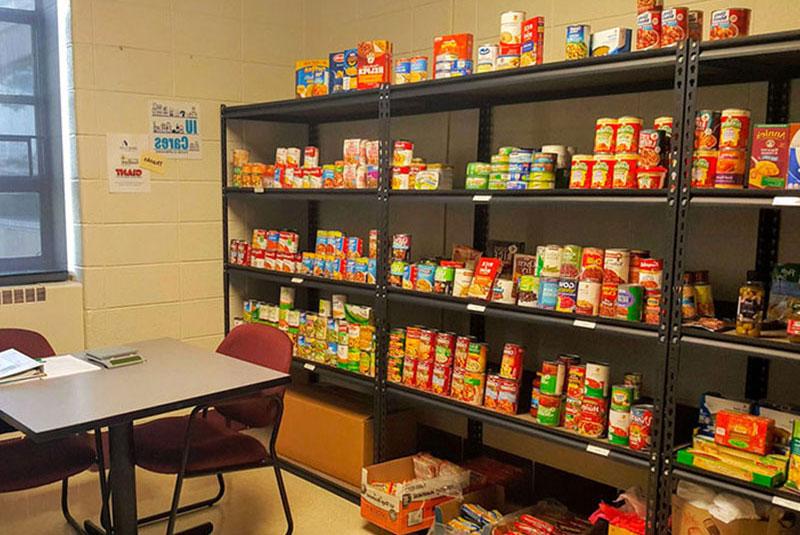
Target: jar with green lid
{"points": [[750, 307], [793, 324]]}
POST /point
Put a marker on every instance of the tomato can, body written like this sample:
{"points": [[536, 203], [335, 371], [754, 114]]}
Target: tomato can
{"points": [[570, 261], [729, 23], [553, 373], [628, 129], [704, 168], [734, 130], [507, 396], [652, 307], [427, 344], [587, 302], [580, 174], [549, 410], [608, 300], [462, 351], [605, 135], [592, 259], [474, 383], [621, 397], [650, 273], [630, 302], [696, 25], [576, 381], [635, 381], [664, 123], [640, 427], [567, 295], [619, 422], [674, 25], [731, 165], [654, 148], [476, 358], [596, 385], [572, 413], [440, 382], [603, 171], [648, 29], [616, 266], [445, 348], [592, 419], [637, 255], [511, 364], [624, 174]]}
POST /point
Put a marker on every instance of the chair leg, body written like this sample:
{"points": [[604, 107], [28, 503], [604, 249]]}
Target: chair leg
{"points": [[287, 511], [65, 507], [188, 508], [176, 495]]}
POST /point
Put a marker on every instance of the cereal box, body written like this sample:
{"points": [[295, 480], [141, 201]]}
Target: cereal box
{"points": [[793, 180], [532, 51], [311, 78], [769, 158], [374, 63], [344, 71]]}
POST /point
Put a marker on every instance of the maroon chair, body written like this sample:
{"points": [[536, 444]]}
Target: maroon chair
{"points": [[194, 446], [26, 465]]}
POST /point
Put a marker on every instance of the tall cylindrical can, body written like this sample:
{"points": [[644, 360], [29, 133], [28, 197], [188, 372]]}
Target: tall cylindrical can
{"points": [[619, 427], [621, 397], [553, 373], [635, 381], [592, 419], [597, 375], [549, 410], [640, 427]]}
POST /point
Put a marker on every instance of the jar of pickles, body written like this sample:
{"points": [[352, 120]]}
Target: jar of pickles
{"points": [[793, 324], [750, 307]]}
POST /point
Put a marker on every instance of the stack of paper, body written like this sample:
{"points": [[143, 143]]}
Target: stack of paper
{"points": [[16, 366]]}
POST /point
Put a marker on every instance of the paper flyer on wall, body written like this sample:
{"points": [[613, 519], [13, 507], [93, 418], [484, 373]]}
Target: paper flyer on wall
{"points": [[175, 129], [125, 174]]}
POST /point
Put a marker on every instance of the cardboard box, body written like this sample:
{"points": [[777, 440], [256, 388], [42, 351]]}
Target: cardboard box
{"points": [[769, 156], [411, 507], [374, 63], [744, 431], [490, 498], [616, 530], [793, 180], [330, 429], [690, 520]]}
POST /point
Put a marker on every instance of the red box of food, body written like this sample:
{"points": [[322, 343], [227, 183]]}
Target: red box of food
{"points": [[374, 63], [769, 156], [486, 271], [696, 25], [744, 431], [452, 47]]}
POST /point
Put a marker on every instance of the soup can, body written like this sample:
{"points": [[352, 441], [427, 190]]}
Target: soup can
{"points": [[608, 300], [616, 265], [511, 364], [549, 410], [706, 130], [619, 426], [567, 295], [621, 397], [461, 351], [624, 174], [572, 413], [734, 129], [476, 357], [580, 173], [630, 302], [637, 255], [445, 348], [592, 259], [628, 129], [635, 381], [605, 135], [731, 164], [553, 373], [603, 171], [576, 380], [729, 23], [592, 419], [587, 302], [664, 123], [704, 168], [648, 29], [548, 293], [596, 385], [640, 427], [674, 25]]}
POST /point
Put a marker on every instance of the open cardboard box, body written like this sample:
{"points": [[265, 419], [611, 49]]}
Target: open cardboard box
{"points": [[411, 507], [690, 520], [492, 497]]}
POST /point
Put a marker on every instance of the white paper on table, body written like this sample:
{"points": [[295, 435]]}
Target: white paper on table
{"points": [[66, 365]]}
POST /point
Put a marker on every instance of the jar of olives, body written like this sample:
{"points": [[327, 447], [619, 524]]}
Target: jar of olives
{"points": [[793, 324], [750, 307]]}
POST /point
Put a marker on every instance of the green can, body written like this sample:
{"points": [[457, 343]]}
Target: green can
{"points": [[571, 261], [478, 169], [506, 151], [549, 411], [476, 182], [630, 302], [621, 397]]}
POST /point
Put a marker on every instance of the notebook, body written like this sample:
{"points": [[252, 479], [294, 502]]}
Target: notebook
{"points": [[16, 366]]}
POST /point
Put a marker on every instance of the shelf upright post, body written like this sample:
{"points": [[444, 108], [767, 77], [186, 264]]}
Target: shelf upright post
{"points": [[226, 292], [659, 492], [382, 276], [312, 220]]}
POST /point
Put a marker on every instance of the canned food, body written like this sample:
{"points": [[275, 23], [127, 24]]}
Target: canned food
{"points": [[674, 25], [637, 255], [476, 358], [403, 153], [664, 123], [548, 293], [462, 351], [640, 427], [511, 364], [603, 171], [650, 273], [587, 302], [427, 344], [605, 135], [310, 157], [652, 307], [608, 300], [445, 348], [577, 42], [567, 295], [616, 266], [410, 372], [731, 165], [424, 378], [704, 168], [551, 261], [696, 25], [596, 385], [624, 174], [621, 397], [528, 291], [394, 370], [576, 380], [648, 5], [549, 410], [511, 27], [654, 148], [572, 412], [487, 58], [592, 259], [474, 383], [440, 382], [553, 374], [628, 130], [570, 261], [648, 29], [734, 130], [729, 23], [706, 130], [635, 381], [619, 426], [651, 178], [630, 302], [592, 419], [580, 175]]}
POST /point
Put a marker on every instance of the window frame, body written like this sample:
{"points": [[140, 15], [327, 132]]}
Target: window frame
{"points": [[45, 267]]}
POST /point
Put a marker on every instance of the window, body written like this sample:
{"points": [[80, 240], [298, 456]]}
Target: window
{"points": [[32, 234]]}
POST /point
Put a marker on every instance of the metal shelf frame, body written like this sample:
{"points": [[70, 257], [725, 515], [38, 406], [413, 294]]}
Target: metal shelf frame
{"points": [[774, 58]]}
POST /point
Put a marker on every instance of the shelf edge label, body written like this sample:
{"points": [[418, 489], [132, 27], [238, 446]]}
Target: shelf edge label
{"points": [[476, 308], [584, 324], [783, 502], [309, 367], [258, 189], [297, 280], [786, 201], [597, 450], [481, 198]]}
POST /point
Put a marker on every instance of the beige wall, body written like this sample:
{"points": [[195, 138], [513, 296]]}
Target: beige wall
{"points": [[151, 263]]}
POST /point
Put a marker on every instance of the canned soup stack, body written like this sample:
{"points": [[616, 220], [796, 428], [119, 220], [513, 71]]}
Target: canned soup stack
{"points": [[575, 396]]}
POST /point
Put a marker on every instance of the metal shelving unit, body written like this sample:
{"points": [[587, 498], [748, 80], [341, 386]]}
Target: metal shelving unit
{"points": [[774, 58]]}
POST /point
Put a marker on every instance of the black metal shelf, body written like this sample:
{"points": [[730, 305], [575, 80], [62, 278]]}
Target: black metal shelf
{"points": [[750, 59], [523, 424], [307, 281], [776, 496], [332, 371], [517, 313], [648, 197], [339, 488], [742, 345], [353, 106], [745, 197], [304, 194]]}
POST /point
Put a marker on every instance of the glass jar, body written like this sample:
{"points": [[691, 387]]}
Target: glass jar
{"points": [[703, 296], [750, 307], [688, 297], [793, 324]]}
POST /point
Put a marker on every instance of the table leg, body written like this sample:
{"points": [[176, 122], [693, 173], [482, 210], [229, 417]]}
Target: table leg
{"points": [[123, 479]]}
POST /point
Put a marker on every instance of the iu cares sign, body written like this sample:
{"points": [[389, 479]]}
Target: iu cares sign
{"points": [[175, 129]]}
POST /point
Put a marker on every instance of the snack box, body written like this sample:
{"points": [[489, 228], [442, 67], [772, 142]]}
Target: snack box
{"points": [[793, 179], [744, 431], [486, 271], [311, 78], [374, 63], [769, 156], [611, 41], [532, 50], [411, 507], [452, 47], [710, 405], [793, 474], [343, 71]]}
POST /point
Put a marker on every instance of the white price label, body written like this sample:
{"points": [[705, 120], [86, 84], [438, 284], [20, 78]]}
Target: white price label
{"points": [[297, 280], [584, 324], [597, 450], [783, 502], [309, 367], [476, 308], [258, 189], [481, 198], [786, 201]]}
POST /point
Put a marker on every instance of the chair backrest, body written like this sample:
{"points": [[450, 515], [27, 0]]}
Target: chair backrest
{"points": [[31, 343], [259, 344]]}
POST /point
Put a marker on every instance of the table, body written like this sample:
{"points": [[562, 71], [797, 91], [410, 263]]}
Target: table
{"points": [[174, 376]]}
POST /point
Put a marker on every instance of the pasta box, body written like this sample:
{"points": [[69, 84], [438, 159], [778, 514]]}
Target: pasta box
{"points": [[793, 179], [343, 71], [374, 63], [769, 156], [744, 431]]}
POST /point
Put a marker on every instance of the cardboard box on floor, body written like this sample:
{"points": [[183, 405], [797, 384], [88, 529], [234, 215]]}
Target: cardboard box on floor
{"points": [[330, 429], [492, 497], [690, 520], [410, 508]]}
